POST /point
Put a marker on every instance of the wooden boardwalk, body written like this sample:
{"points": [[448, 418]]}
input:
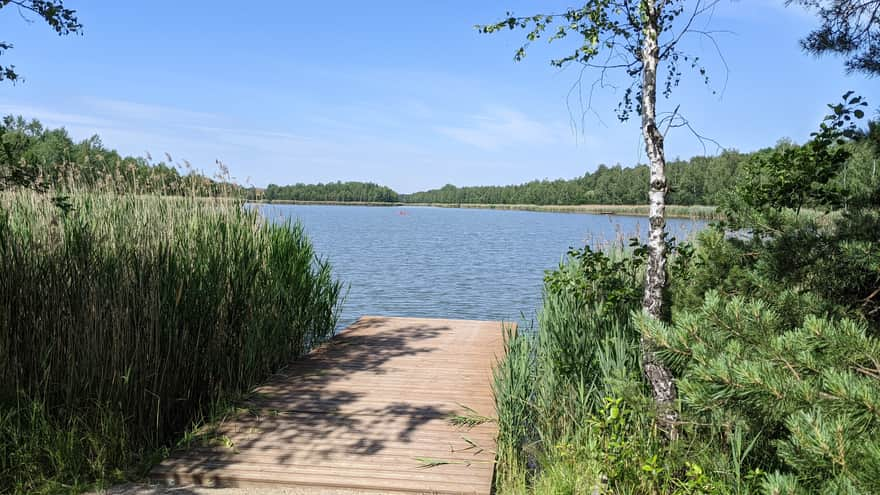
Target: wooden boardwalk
{"points": [[365, 412]]}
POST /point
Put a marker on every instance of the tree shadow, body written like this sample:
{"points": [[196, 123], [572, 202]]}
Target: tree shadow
{"points": [[350, 401]]}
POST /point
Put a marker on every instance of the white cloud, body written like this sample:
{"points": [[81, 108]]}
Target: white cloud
{"points": [[52, 118], [131, 110], [499, 127]]}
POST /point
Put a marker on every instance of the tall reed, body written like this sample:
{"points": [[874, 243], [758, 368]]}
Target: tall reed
{"points": [[123, 317], [554, 377]]}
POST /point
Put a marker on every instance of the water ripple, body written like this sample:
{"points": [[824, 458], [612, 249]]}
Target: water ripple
{"points": [[451, 263]]}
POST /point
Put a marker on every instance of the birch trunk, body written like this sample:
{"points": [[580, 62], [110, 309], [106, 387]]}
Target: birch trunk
{"points": [[653, 303]]}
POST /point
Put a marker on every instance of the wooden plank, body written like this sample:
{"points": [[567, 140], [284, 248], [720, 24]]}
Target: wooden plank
{"points": [[283, 457], [461, 473], [359, 412], [384, 432], [258, 479]]}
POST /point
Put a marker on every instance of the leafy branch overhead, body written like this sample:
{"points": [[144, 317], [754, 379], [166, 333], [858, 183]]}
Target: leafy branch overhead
{"points": [[610, 37], [850, 28], [61, 19], [798, 176]]}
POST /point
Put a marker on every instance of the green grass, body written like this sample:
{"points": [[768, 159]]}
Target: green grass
{"points": [[124, 320]]}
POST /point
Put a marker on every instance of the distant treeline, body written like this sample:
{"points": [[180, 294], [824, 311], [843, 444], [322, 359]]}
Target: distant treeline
{"points": [[332, 191], [35, 156], [700, 180]]}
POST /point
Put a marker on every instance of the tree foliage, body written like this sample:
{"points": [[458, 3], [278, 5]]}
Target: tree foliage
{"points": [[850, 28], [701, 180], [332, 191], [62, 20], [797, 176], [827, 258], [783, 350], [609, 36]]}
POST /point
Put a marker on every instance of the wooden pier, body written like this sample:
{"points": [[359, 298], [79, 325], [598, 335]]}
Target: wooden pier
{"points": [[368, 412]]}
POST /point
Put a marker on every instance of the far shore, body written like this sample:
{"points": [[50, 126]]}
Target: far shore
{"points": [[672, 211]]}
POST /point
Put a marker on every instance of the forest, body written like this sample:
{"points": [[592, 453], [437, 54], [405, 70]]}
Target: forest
{"points": [[698, 181], [340, 192]]}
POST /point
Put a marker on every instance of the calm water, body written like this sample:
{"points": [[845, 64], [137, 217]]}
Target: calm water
{"points": [[451, 263]]}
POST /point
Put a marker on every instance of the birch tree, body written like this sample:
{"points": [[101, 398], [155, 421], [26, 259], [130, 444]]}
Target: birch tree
{"points": [[639, 38]]}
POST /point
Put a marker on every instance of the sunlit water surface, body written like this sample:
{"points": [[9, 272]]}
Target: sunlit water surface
{"points": [[451, 263]]}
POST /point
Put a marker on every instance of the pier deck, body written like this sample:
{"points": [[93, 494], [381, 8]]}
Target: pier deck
{"points": [[369, 411]]}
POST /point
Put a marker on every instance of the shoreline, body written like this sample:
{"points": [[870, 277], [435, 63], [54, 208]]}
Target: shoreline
{"points": [[700, 212]]}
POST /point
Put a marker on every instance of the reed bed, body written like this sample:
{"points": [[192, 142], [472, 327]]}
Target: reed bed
{"points": [[124, 318], [554, 380]]}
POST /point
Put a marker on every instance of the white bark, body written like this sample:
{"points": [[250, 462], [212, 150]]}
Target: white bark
{"points": [[653, 303]]}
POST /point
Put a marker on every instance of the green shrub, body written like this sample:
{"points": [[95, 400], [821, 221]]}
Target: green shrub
{"points": [[594, 279]]}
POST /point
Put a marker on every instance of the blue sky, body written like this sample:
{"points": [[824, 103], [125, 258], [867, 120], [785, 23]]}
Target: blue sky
{"points": [[404, 93]]}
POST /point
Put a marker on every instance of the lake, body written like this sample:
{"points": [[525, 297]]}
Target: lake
{"points": [[450, 262]]}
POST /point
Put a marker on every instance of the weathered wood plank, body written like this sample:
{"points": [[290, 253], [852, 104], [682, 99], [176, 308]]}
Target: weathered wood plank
{"points": [[361, 412]]}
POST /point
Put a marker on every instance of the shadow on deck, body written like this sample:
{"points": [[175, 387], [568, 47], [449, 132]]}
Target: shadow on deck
{"points": [[363, 412]]}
